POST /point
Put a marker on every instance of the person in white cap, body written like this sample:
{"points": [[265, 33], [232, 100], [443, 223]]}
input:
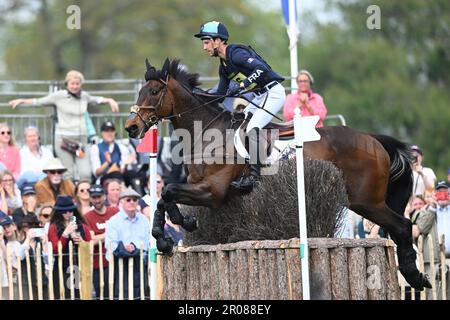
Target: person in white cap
{"points": [[53, 184]]}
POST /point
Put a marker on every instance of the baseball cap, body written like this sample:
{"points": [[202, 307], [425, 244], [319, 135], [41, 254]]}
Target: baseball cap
{"points": [[5, 220], [28, 189], [107, 125], [417, 149], [96, 190], [442, 185]]}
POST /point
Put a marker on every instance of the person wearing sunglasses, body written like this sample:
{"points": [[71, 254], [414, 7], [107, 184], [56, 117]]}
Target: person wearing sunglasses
{"points": [[44, 214], [54, 184], [67, 225], [9, 153], [82, 196], [96, 220], [309, 102], [10, 198], [126, 232], [28, 208]]}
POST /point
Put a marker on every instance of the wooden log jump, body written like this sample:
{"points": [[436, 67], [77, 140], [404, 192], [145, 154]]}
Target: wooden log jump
{"points": [[340, 269]]}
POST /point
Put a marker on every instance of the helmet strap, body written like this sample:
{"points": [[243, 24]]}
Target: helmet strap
{"points": [[216, 52]]}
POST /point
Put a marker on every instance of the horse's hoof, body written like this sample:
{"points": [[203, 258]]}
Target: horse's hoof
{"points": [[167, 196], [421, 282], [160, 205], [157, 232], [165, 245], [190, 223], [426, 281]]}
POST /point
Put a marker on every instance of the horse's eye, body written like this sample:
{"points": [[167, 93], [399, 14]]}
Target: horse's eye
{"points": [[154, 92]]}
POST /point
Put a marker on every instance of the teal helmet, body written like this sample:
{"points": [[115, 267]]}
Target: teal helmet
{"points": [[213, 29]]}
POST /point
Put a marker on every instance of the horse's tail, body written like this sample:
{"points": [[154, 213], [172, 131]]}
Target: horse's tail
{"points": [[400, 174]]}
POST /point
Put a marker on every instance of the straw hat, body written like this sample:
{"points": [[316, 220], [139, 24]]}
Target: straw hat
{"points": [[54, 164]]}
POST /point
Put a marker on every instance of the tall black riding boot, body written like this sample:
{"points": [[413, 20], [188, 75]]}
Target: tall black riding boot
{"points": [[247, 183]]}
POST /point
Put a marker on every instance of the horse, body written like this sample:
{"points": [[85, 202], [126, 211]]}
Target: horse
{"points": [[376, 168]]}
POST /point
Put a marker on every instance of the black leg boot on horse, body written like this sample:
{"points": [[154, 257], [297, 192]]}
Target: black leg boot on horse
{"points": [[248, 182], [163, 244]]}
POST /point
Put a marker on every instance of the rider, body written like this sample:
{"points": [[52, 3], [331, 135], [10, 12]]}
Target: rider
{"points": [[249, 72]]}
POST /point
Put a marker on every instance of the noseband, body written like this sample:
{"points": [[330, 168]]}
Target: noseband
{"points": [[154, 119]]}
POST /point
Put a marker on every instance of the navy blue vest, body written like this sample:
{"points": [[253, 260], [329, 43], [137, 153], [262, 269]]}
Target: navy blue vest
{"points": [[116, 155]]}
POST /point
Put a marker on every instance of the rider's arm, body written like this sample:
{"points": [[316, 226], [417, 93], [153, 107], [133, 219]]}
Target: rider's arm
{"points": [[223, 82], [260, 70]]}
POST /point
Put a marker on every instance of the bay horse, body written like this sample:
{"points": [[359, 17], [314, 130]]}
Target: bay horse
{"points": [[376, 168]]}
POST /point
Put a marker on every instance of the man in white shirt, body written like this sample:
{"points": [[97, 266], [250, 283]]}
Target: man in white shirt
{"points": [[33, 158], [423, 177], [109, 156]]}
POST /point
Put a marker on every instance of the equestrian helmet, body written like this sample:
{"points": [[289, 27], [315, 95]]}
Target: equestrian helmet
{"points": [[213, 29]]}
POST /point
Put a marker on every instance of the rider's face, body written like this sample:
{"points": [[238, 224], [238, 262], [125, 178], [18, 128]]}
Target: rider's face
{"points": [[208, 46]]}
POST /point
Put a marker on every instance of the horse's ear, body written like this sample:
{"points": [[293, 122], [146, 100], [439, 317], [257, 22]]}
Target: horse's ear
{"points": [[165, 68], [148, 65]]}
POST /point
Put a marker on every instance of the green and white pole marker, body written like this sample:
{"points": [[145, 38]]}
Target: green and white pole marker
{"points": [[304, 130], [150, 144]]}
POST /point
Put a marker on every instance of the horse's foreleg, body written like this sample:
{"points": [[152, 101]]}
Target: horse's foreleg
{"points": [[164, 244], [189, 222], [189, 194], [400, 230]]}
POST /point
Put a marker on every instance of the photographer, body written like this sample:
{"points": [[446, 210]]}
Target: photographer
{"points": [[67, 225], [8, 240], [423, 177], [434, 221], [33, 236]]}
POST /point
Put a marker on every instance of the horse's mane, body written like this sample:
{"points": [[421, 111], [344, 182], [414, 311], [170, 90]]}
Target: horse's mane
{"points": [[190, 81], [178, 71]]}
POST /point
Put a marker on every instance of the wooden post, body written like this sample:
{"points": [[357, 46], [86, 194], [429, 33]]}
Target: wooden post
{"points": [[101, 270], [10, 273], [111, 273], [85, 263], [39, 271], [51, 293], [141, 270], [282, 275], [80, 270], [432, 269], [19, 274], [1, 274], [420, 240], [71, 280], [357, 268], [120, 278], [392, 272], [62, 293], [339, 274], [160, 278], [444, 283], [294, 274], [130, 278]]}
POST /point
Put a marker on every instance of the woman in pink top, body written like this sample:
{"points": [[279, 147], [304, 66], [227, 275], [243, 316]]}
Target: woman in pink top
{"points": [[310, 103], [9, 153]]}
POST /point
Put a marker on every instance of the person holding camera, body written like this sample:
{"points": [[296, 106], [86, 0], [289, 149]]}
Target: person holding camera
{"points": [[432, 222], [423, 177], [67, 225], [71, 106]]}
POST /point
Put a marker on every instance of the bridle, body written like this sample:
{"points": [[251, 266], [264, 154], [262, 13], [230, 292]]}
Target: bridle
{"points": [[154, 119]]}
